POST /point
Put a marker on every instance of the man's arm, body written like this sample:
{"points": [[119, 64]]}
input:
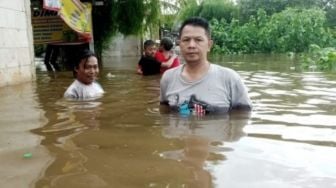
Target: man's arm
{"points": [[239, 95], [163, 90], [170, 61], [139, 68]]}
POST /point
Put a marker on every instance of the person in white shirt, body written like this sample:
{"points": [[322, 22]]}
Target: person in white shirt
{"points": [[86, 71]]}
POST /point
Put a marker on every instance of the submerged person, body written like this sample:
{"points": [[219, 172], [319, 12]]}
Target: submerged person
{"points": [[86, 70], [199, 86], [167, 53], [149, 64]]}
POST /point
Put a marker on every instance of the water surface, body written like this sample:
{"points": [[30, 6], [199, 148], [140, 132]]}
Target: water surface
{"points": [[122, 140]]}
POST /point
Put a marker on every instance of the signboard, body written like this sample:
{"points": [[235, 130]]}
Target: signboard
{"points": [[48, 27], [71, 23]]}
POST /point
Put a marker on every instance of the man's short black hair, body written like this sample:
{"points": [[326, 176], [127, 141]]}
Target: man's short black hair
{"points": [[84, 55], [198, 22], [166, 43], [148, 43]]}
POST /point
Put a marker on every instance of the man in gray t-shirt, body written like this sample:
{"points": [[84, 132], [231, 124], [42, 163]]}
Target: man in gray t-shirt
{"points": [[199, 86]]}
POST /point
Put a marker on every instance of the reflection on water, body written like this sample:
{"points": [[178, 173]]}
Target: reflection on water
{"points": [[21, 112], [122, 140], [203, 139]]}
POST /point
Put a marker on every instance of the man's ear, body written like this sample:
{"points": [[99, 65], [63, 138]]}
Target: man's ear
{"points": [[76, 69], [210, 44]]}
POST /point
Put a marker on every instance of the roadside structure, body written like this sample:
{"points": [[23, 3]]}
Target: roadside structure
{"points": [[16, 42]]}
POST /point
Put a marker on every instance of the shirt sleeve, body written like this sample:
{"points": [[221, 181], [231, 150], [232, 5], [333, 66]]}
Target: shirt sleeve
{"points": [[163, 89], [239, 94], [71, 93]]}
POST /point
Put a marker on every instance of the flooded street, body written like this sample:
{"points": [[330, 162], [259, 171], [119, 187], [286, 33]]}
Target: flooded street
{"points": [[122, 140]]}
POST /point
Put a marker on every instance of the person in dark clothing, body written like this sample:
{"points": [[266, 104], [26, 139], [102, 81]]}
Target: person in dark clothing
{"points": [[148, 65], [50, 59]]}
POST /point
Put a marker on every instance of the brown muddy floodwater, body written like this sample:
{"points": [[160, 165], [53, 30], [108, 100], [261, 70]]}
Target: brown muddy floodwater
{"points": [[122, 141]]}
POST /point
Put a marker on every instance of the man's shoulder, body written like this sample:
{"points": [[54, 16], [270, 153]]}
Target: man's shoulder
{"points": [[74, 83], [174, 70], [97, 87], [71, 91], [159, 56], [225, 73], [221, 68], [226, 70], [172, 73]]}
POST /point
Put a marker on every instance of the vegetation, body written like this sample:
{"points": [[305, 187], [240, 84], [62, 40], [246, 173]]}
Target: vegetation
{"points": [[291, 30], [249, 8], [244, 26], [320, 58], [271, 26], [241, 26], [210, 9], [126, 17]]}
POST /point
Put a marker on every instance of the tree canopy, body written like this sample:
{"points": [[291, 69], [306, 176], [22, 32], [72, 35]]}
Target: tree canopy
{"points": [[249, 8], [208, 9]]}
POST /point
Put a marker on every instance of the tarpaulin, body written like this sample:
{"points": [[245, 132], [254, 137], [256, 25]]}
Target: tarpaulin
{"points": [[75, 14]]}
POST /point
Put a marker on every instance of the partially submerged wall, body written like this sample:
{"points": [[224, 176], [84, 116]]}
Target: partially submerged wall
{"points": [[123, 46], [16, 42]]}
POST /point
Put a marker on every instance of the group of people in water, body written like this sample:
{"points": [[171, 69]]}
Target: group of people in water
{"points": [[158, 61], [195, 87]]}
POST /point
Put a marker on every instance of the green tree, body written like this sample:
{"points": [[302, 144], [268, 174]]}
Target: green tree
{"points": [[295, 29], [291, 30], [126, 17], [248, 8], [319, 58], [218, 9]]}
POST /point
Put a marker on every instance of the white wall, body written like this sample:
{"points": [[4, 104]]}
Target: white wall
{"points": [[16, 42], [123, 46]]}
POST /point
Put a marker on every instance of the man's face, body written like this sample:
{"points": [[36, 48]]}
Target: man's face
{"points": [[150, 51], [194, 44], [87, 71]]}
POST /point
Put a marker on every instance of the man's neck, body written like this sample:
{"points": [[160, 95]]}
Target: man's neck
{"points": [[195, 71], [87, 84]]}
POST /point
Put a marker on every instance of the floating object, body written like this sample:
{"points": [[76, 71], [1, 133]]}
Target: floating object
{"points": [[109, 75], [184, 110], [27, 155]]}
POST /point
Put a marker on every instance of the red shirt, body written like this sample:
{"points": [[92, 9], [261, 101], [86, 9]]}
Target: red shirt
{"points": [[160, 57]]}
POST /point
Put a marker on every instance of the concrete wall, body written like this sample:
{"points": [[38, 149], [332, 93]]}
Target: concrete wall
{"points": [[16, 42]]}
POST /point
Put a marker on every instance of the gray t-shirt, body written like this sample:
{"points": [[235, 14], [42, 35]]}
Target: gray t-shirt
{"points": [[78, 90], [221, 89]]}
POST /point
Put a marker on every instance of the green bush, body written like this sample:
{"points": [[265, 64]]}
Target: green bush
{"points": [[291, 30], [319, 58]]}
